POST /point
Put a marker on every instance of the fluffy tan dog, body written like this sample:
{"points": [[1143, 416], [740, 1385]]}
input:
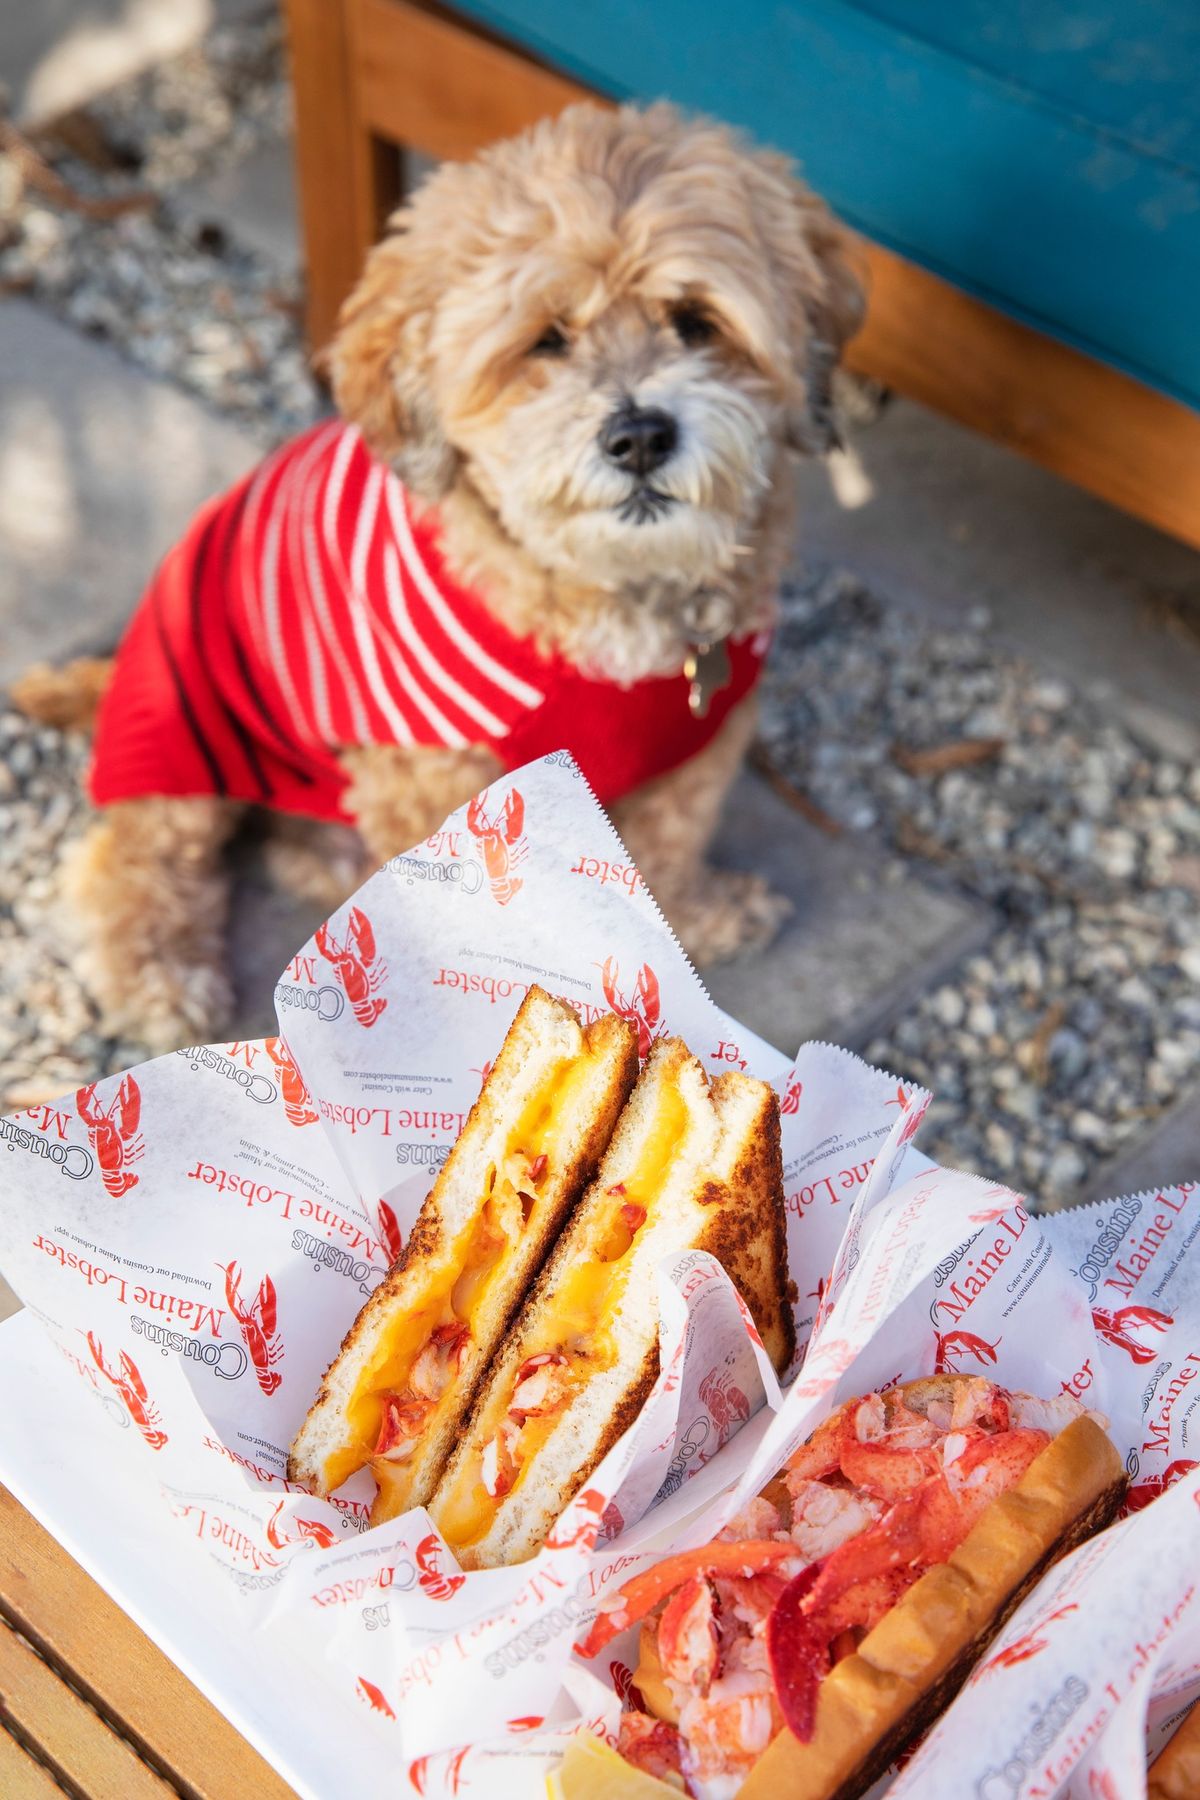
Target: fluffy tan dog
{"points": [[592, 350]]}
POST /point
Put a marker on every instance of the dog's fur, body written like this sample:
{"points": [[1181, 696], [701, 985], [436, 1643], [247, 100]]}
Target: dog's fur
{"points": [[685, 270]]}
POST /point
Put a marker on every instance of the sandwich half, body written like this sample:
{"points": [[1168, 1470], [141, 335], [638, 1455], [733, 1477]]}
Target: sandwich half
{"points": [[694, 1164], [397, 1393]]}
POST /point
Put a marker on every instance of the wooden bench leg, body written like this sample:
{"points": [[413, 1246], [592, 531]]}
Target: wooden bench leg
{"points": [[349, 178]]}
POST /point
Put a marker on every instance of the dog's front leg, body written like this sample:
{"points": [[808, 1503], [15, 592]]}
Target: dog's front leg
{"points": [[149, 900], [398, 795], [667, 826]]}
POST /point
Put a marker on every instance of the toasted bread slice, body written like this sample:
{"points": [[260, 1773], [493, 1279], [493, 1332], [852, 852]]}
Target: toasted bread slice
{"points": [[694, 1164], [397, 1393]]}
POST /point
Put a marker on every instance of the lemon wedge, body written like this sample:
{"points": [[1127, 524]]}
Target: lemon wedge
{"points": [[590, 1770]]}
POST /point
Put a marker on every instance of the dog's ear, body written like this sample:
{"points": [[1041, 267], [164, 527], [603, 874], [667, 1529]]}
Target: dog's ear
{"points": [[824, 296], [379, 365], [833, 313]]}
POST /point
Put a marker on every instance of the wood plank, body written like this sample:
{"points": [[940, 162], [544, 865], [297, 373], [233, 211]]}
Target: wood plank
{"points": [[40, 1710], [347, 179], [426, 81], [1128, 443], [20, 1777], [80, 1631]]}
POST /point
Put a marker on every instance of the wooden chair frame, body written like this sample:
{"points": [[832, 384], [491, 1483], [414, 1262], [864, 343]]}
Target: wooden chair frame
{"points": [[374, 78]]}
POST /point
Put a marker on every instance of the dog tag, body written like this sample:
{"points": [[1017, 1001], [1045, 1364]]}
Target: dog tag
{"points": [[707, 668]]}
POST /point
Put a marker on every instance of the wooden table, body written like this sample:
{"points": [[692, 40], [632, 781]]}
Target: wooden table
{"points": [[89, 1705]]}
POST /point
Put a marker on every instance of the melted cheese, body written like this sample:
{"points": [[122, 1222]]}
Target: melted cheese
{"points": [[455, 1287], [578, 1318]]}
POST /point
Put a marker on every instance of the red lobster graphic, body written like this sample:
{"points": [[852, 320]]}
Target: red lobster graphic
{"points": [[434, 1581], [913, 1114], [1121, 1328], [725, 1401], [501, 842], [127, 1380], [1024, 1649], [115, 1140], [791, 1097], [644, 1010], [355, 964], [612, 1522], [315, 1531], [962, 1343], [390, 1235], [297, 1101], [256, 1323], [376, 1699], [1146, 1491], [593, 1503], [625, 1687], [418, 1771]]}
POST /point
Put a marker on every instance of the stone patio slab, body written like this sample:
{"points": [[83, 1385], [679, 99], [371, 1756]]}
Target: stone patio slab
{"points": [[940, 521], [1168, 1154], [101, 468], [866, 936]]}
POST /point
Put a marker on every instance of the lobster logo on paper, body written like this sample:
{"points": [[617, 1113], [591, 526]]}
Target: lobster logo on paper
{"points": [[356, 963], [374, 1697], [952, 1346], [791, 1096], [113, 1131], [912, 1114], [308, 1531], [390, 1235], [297, 1101], [592, 1503], [502, 843], [1030, 1644], [433, 1579], [131, 1390], [452, 1778], [1154, 1485], [257, 1324], [726, 1402], [644, 1006], [1128, 1328]]}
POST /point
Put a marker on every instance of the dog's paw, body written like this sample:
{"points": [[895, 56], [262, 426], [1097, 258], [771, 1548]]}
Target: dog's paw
{"points": [[162, 1007], [324, 867], [727, 912]]}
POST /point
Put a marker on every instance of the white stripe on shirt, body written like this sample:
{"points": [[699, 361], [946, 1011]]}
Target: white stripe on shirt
{"points": [[450, 733], [473, 651], [360, 617]]}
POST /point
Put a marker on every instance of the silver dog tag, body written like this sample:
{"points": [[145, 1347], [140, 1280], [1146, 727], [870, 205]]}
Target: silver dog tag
{"points": [[707, 668]]}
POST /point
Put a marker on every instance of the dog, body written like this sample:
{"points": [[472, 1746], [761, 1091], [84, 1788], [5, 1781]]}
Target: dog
{"points": [[553, 512]]}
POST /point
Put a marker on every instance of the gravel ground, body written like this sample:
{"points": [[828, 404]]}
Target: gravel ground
{"points": [[1080, 1023], [49, 1041], [1068, 1036], [177, 295]]}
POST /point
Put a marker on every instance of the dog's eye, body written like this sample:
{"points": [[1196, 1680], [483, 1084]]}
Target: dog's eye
{"points": [[552, 342], [692, 325]]}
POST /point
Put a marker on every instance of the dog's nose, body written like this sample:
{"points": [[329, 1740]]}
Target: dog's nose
{"points": [[639, 438]]}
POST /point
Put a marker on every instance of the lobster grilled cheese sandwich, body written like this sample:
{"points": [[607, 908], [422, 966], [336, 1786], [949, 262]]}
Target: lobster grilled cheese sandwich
{"points": [[694, 1164], [827, 1626], [397, 1393]]}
